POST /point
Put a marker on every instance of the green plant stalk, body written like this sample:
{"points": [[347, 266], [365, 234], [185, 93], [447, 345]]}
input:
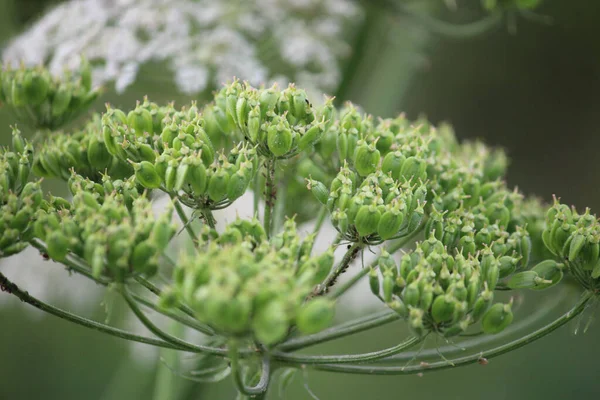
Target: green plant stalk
{"points": [[184, 219], [392, 248], [269, 195], [479, 340], [256, 196], [338, 270], [182, 344], [262, 386], [346, 358], [9, 287], [78, 266], [346, 329], [471, 359], [209, 218]]}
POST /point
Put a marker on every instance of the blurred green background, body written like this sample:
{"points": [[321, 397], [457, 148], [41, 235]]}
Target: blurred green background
{"points": [[536, 93]]}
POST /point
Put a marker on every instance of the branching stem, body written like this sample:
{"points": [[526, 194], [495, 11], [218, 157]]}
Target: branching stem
{"points": [[270, 194]]}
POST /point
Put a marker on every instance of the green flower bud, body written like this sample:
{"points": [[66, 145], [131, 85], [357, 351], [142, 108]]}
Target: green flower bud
{"points": [[367, 220], [497, 318], [315, 316], [146, 175]]}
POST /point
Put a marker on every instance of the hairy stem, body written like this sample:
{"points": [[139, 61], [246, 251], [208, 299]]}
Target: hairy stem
{"points": [[270, 195], [338, 270], [346, 329], [470, 359], [9, 287], [392, 248], [263, 384], [346, 358], [163, 335]]}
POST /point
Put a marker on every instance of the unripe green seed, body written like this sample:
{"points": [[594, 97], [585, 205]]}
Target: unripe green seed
{"points": [[319, 190], [367, 220], [270, 323], [146, 175], [442, 309], [237, 185], [366, 159], [279, 140], [217, 185], [57, 245], [497, 318], [315, 316], [389, 224]]}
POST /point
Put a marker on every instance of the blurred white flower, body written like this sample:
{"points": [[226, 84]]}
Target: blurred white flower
{"points": [[205, 42]]}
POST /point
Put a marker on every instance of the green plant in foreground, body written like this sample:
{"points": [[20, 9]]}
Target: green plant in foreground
{"points": [[257, 287]]}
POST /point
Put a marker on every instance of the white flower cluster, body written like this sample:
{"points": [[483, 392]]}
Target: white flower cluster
{"points": [[204, 42]]}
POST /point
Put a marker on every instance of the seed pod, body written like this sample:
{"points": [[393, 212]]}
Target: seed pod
{"points": [[268, 99], [315, 316], [140, 120], [442, 309], [217, 185], [146, 152], [61, 100], [523, 280], [312, 135], [550, 271], [146, 175], [366, 158], [170, 176], [492, 276], [388, 287], [279, 139], [367, 220], [270, 323], [98, 155], [507, 265], [413, 168], [241, 110], [319, 190], [482, 304], [398, 306], [181, 174], [342, 146], [57, 245], [36, 88], [390, 224], [374, 282], [412, 294], [238, 183], [590, 254], [18, 144], [497, 318], [141, 255], [577, 243]]}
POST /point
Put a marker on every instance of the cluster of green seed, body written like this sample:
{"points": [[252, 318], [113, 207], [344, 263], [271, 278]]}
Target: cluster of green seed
{"points": [[280, 124], [83, 151], [373, 209], [247, 286], [170, 150], [19, 198], [443, 292], [106, 225], [45, 101], [575, 238]]}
